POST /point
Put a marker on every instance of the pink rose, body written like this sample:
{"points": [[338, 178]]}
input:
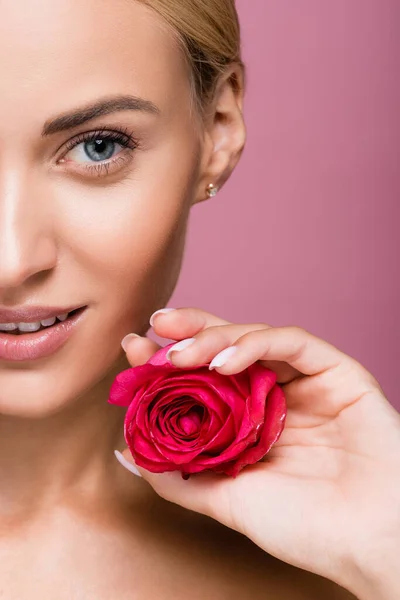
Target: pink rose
{"points": [[193, 420]]}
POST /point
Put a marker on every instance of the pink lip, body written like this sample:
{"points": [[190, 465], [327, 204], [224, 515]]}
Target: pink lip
{"points": [[31, 346], [32, 314]]}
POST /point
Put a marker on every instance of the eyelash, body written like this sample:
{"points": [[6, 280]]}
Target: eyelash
{"points": [[120, 136]]}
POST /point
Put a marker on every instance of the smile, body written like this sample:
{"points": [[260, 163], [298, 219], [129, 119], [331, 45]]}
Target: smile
{"points": [[19, 328], [30, 340]]}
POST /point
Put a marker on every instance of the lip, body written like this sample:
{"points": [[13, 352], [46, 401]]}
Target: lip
{"points": [[33, 314], [40, 344]]}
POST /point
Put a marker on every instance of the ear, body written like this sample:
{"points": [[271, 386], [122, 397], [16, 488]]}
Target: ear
{"points": [[224, 132]]}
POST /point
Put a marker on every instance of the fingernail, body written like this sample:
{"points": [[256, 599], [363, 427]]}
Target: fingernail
{"points": [[222, 358], [127, 339], [162, 311], [180, 346], [125, 463]]}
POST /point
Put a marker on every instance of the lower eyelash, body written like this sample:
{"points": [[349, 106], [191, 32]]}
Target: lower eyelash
{"points": [[119, 136], [103, 168]]}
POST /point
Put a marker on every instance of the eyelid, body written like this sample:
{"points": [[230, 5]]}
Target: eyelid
{"points": [[125, 137], [120, 135]]}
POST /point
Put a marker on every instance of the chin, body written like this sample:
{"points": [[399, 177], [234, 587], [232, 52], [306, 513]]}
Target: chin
{"points": [[40, 389]]}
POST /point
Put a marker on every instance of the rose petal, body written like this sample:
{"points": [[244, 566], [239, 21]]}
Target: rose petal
{"points": [[143, 410], [181, 451], [203, 460], [168, 419], [188, 423], [169, 446], [206, 378], [267, 432], [216, 393], [275, 416], [202, 395], [130, 381], [160, 357], [195, 420], [177, 456], [148, 462], [210, 426], [209, 393], [165, 428], [209, 429], [140, 446], [223, 438], [241, 382], [261, 383]]}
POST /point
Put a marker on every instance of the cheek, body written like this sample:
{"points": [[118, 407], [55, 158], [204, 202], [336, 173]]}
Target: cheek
{"points": [[123, 232], [125, 241]]}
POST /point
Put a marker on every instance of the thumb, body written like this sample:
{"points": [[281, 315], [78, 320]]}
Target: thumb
{"points": [[138, 349], [205, 493]]}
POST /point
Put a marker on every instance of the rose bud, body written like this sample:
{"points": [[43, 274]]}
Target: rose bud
{"points": [[193, 420]]}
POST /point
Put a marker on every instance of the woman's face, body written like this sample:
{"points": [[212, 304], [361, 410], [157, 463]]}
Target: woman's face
{"points": [[95, 185]]}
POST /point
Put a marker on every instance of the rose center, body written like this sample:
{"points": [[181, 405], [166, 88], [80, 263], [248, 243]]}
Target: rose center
{"points": [[190, 422]]}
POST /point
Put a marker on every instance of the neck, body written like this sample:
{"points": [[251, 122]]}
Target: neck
{"points": [[68, 452]]}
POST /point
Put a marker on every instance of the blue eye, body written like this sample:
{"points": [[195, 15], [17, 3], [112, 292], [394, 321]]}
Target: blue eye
{"points": [[101, 151], [95, 151]]}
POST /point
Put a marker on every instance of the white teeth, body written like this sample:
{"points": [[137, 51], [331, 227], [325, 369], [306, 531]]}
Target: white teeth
{"points": [[28, 327], [48, 322], [8, 326]]}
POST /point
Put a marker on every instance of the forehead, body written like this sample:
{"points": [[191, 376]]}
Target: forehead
{"points": [[57, 54]]}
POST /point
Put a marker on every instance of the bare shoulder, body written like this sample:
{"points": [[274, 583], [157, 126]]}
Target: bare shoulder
{"points": [[216, 563], [139, 546]]}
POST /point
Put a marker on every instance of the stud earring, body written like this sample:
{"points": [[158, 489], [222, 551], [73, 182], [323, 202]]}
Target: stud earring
{"points": [[212, 190]]}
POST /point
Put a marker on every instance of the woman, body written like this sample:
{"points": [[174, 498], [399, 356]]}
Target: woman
{"points": [[115, 118]]}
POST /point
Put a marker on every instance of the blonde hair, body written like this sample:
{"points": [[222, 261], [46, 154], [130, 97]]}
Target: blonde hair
{"points": [[209, 34]]}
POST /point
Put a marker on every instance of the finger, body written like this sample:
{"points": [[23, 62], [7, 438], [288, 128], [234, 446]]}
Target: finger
{"points": [[139, 349], [330, 380], [210, 342], [297, 347], [181, 323]]}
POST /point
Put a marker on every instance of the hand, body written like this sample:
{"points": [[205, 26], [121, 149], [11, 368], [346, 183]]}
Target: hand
{"points": [[327, 496]]}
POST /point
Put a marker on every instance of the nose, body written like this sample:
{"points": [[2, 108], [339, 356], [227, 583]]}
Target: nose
{"points": [[27, 244]]}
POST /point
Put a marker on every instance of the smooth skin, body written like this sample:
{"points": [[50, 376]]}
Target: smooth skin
{"points": [[108, 234], [327, 496]]}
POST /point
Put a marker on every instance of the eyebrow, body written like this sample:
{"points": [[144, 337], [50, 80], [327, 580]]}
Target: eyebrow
{"points": [[100, 108]]}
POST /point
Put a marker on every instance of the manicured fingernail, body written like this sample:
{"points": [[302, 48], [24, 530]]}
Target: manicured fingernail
{"points": [[180, 346], [127, 339], [162, 311], [222, 358], [125, 463]]}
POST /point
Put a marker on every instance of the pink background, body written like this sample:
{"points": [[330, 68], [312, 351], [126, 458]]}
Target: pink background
{"points": [[306, 230]]}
